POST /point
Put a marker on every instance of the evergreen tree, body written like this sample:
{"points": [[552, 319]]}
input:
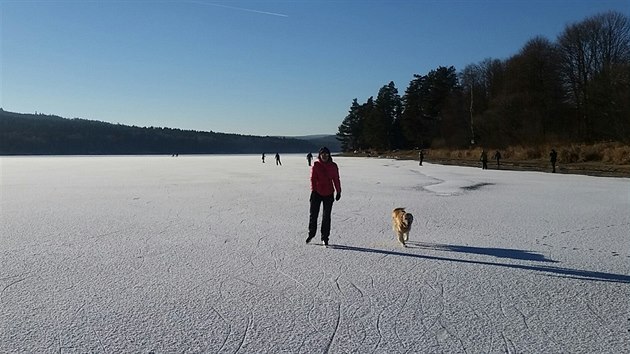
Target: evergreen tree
{"points": [[441, 83], [411, 122], [380, 122], [350, 130]]}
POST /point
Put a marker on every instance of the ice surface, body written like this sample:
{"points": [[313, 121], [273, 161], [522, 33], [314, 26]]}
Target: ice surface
{"points": [[207, 254]]}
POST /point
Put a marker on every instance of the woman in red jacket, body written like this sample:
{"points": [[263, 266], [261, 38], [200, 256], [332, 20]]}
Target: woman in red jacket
{"points": [[324, 182]]}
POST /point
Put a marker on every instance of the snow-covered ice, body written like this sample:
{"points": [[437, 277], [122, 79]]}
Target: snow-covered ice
{"points": [[142, 254]]}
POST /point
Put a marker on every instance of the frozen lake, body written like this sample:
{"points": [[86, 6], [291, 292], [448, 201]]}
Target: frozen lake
{"points": [[207, 254]]}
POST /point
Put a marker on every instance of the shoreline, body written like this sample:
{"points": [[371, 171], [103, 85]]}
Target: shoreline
{"points": [[593, 169]]}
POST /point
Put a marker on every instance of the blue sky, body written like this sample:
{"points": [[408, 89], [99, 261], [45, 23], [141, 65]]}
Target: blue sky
{"points": [[250, 67]]}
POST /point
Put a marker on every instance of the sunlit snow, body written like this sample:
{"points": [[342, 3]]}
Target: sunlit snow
{"points": [[207, 254]]}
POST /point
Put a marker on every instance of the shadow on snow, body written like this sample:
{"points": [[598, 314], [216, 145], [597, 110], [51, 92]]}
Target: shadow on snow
{"points": [[495, 252], [504, 253]]}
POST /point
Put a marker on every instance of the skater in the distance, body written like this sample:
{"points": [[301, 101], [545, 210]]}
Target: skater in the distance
{"points": [[324, 183], [278, 160], [497, 156], [309, 158], [553, 157], [421, 156], [484, 160], [263, 157]]}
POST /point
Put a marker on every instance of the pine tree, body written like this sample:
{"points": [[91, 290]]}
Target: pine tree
{"points": [[350, 130], [380, 123]]}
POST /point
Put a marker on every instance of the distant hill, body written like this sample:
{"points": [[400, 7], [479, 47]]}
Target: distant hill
{"points": [[38, 134], [330, 141]]}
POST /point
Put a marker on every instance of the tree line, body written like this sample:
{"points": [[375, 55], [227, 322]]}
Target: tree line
{"points": [[575, 89], [38, 134]]}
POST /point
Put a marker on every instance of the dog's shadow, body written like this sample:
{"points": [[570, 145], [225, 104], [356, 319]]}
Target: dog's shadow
{"points": [[486, 251], [504, 253]]}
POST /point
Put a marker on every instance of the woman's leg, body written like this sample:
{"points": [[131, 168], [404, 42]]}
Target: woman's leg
{"points": [[328, 203], [313, 214]]}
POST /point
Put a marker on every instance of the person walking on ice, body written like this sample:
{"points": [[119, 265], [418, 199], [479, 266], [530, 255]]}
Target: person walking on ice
{"points": [[324, 183], [278, 160], [484, 159], [553, 157], [497, 156]]}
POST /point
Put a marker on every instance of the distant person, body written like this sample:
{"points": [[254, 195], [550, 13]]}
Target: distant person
{"points": [[309, 158], [263, 157], [324, 182], [497, 156], [553, 157], [484, 160], [278, 160], [421, 156]]}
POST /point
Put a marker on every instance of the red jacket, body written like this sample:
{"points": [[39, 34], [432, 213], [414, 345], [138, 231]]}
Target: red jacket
{"points": [[323, 176]]}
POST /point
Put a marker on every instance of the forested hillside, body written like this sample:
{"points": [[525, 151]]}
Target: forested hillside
{"points": [[575, 89], [37, 134]]}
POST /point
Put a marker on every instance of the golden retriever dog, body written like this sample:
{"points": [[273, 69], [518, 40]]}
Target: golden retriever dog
{"points": [[401, 223]]}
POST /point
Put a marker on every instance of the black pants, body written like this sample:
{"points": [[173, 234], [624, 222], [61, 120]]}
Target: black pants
{"points": [[316, 201]]}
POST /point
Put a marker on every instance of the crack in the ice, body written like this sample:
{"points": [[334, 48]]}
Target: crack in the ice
{"points": [[11, 284], [332, 337]]}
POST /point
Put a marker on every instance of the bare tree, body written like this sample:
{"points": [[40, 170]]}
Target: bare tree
{"points": [[482, 84], [592, 49], [534, 91]]}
